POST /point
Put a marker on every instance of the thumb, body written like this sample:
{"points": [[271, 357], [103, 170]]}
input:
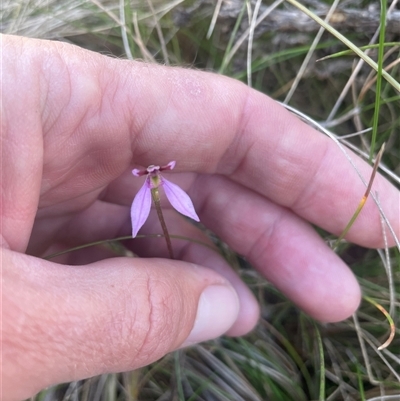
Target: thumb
{"points": [[64, 323]]}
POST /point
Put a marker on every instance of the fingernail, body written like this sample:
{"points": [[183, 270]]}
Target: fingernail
{"points": [[216, 313]]}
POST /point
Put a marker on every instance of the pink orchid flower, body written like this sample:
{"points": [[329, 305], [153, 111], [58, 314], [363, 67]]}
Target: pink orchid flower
{"points": [[141, 204]]}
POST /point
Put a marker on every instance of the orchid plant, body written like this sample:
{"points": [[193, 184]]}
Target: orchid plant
{"points": [[141, 204]]}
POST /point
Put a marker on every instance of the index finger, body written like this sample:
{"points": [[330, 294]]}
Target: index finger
{"points": [[216, 125], [117, 112]]}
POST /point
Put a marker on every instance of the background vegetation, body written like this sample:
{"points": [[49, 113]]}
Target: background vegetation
{"points": [[274, 47]]}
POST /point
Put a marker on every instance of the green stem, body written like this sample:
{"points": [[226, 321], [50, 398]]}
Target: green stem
{"points": [[155, 194]]}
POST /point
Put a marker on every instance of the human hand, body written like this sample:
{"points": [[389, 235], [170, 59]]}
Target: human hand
{"points": [[74, 124]]}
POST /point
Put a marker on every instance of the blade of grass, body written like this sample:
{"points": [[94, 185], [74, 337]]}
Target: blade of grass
{"points": [[178, 374], [387, 263], [321, 364], [214, 19], [360, 382], [350, 52], [159, 33], [370, 82], [137, 39], [147, 56], [378, 79], [346, 42], [364, 352], [310, 52], [291, 350], [250, 41], [124, 238], [356, 71], [389, 319], [124, 34], [245, 34], [231, 39]]}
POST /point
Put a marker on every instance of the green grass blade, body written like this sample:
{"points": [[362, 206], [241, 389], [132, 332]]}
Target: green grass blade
{"points": [[346, 42], [238, 22], [350, 52], [378, 79], [178, 374], [321, 365]]}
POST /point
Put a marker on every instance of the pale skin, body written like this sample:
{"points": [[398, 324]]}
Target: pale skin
{"points": [[74, 124]]}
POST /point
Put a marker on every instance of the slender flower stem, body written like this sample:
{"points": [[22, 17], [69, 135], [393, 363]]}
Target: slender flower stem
{"points": [[155, 194]]}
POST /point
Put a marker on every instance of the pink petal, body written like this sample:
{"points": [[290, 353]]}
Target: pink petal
{"points": [[179, 199], [138, 173], [140, 208], [170, 165]]}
